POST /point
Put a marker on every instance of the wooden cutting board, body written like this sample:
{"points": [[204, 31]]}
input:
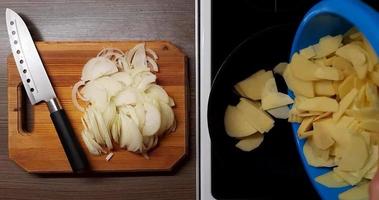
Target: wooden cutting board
{"points": [[39, 150]]}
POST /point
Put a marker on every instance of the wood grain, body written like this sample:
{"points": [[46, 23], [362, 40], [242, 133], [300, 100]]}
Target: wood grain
{"points": [[171, 20], [63, 62]]}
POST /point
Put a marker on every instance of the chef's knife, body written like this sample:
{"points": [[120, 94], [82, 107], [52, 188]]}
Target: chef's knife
{"points": [[38, 87]]}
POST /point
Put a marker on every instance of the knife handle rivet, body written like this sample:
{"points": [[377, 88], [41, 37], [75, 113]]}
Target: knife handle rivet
{"points": [[24, 71], [12, 22], [13, 32], [18, 51], [22, 61], [31, 89], [28, 80], [15, 42]]}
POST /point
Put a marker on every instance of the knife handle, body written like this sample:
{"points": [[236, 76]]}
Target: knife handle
{"points": [[71, 146]]}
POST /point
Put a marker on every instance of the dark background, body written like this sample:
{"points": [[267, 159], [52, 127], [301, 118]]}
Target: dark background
{"points": [[65, 20]]}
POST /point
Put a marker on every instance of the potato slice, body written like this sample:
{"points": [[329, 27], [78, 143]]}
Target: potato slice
{"points": [[316, 157], [302, 68], [359, 192], [324, 88], [346, 86], [323, 104], [300, 87], [345, 121], [235, 124], [328, 73], [371, 173], [258, 118], [374, 77], [280, 68], [280, 112], [308, 52], [253, 85], [370, 125], [353, 53], [274, 100], [356, 55], [344, 104], [322, 135], [250, 143], [343, 65], [306, 125], [269, 87], [372, 95], [355, 155], [364, 113], [327, 45], [239, 90], [331, 180]]}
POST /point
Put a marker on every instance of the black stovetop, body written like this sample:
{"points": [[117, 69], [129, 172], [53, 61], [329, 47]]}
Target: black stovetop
{"points": [[232, 23]]}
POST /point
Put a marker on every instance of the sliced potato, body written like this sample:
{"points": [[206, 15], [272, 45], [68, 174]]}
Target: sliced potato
{"points": [[280, 68], [322, 135], [344, 104], [250, 143], [306, 125], [308, 52], [332, 180], [253, 85], [235, 123], [355, 155], [269, 87], [274, 100], [359, 192], [256, 117], [343, 65], [370, 125], [316, 157], [300, 87], [327, 45], [328, 73], [324, 88], [280, 112], [323, 104], [346, 86], [302, 68]]}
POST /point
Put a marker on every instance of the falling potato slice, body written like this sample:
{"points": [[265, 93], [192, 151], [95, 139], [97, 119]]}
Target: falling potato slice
{"points": [[235, 123], [331, 180], [359, 192], [250, 143]]}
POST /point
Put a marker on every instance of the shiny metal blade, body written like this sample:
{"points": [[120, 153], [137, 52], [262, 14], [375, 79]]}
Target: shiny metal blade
{"points": [[28, 61]]}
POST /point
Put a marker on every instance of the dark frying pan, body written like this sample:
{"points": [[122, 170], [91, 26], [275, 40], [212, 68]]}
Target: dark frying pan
{"points": [[276, 162]]}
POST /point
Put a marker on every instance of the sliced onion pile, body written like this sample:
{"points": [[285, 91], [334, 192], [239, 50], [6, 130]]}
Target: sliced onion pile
{"points": [[124, 104]]}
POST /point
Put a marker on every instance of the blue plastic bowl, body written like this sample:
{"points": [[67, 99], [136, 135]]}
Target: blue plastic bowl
{"points": [[332, 17]]}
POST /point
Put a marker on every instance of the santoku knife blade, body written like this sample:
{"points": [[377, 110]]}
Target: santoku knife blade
{"points": [[38, 87]]}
